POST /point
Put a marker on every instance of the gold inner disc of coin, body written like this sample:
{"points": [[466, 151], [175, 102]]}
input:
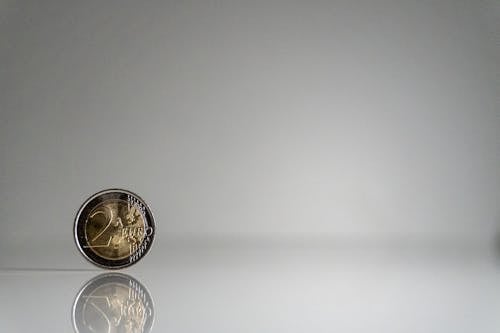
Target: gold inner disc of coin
{"points": [[115, 229]]}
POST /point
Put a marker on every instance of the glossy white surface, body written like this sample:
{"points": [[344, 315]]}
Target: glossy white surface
{"points": [[271, 287]]}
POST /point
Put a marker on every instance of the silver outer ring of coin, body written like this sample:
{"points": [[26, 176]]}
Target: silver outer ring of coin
{"points": [[80, 220], [101, 280]]}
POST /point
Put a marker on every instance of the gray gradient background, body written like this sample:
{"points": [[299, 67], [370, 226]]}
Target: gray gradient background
{"points": [[257, 124]]}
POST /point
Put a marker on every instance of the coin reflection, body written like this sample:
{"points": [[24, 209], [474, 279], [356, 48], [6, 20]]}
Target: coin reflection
{"points": [[113, 303]]}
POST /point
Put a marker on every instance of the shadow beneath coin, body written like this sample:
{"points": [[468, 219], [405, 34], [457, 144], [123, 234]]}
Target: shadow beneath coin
{"points": [[113, 302], [17, 269]]}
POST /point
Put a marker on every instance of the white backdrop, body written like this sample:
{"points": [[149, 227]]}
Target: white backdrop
{"points": [[371, 120]]}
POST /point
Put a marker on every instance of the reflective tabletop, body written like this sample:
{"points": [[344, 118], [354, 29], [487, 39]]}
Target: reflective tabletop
{"points": [[261, 286]]}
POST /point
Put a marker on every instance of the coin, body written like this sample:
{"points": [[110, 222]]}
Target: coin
{"points": [[114, 228], [113, 302]]}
